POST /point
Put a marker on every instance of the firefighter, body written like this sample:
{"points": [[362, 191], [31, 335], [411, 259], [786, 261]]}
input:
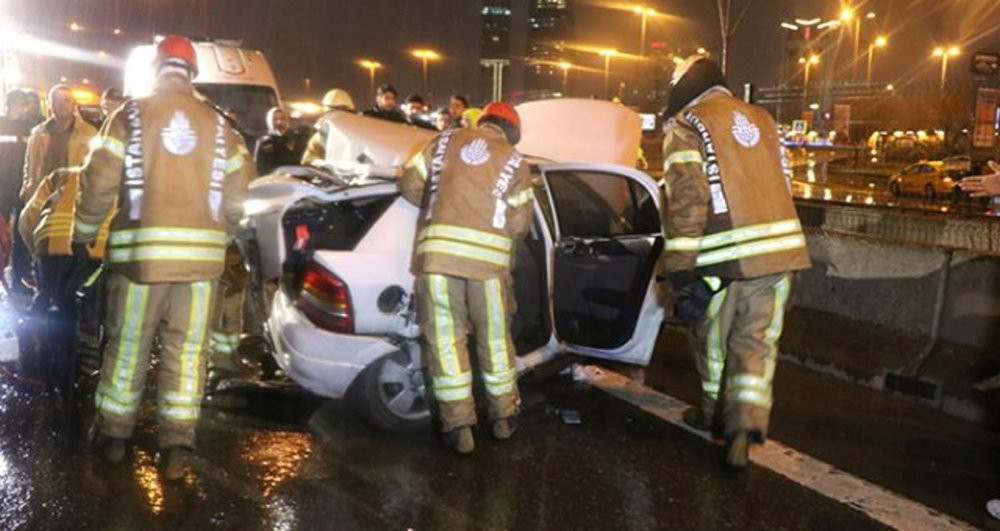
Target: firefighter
{"points": [[475, 198], [46, 226], [179, 174], [732, 240], [336, 100]]}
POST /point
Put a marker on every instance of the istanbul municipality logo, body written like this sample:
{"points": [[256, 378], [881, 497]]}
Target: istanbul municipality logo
{"points": [[476, 153], [178, 137], [744, 131]]}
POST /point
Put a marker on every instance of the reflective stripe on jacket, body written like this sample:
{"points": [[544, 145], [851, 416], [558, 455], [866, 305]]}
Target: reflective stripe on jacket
{"points": [[46, 223], [729, 211], [179, 175], [475, 195]]}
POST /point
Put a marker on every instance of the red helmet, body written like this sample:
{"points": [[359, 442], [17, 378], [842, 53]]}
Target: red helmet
{"points": [[502, 110], [177, 50], [504, 116]]}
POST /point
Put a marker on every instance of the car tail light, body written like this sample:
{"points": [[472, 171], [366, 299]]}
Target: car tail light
{"points": [[326, 300]]}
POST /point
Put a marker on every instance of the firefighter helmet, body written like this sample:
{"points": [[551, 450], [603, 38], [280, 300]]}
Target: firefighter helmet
{"points": [[338, 99], [175, 50]]}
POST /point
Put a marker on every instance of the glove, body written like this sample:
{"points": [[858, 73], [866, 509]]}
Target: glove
{"points": [[692, 295]]}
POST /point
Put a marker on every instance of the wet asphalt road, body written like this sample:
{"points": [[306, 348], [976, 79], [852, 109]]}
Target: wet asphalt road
{"points": [[286, 460], [290, 462]]}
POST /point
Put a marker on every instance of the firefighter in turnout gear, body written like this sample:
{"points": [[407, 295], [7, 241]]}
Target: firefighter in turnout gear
{"points": [[475, 197], [179, 175], [732, 240], [46, 227]]}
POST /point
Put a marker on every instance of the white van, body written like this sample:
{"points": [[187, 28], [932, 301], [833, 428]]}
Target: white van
{"points": [[231, 77]]}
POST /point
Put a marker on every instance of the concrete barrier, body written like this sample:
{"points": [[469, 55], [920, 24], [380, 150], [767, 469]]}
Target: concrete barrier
{"points": [[895, 294]]}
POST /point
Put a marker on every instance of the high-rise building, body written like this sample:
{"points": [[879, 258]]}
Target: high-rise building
{"points": [[550, 28], [496, 29]]}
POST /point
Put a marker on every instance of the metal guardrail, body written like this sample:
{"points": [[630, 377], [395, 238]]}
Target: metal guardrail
{"points": [[951, 231]]}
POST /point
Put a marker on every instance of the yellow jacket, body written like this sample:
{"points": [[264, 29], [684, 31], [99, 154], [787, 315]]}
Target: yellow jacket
{"points": [[38, 144], [179, 175], [46, 223]]}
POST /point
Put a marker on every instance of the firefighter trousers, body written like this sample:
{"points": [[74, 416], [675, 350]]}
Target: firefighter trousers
{"points": [[179, 314], [736, 351], [227, 319], [448, 307]]}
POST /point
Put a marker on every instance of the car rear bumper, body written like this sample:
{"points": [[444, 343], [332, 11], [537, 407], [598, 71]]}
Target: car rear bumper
{"points": [[323, 362]]}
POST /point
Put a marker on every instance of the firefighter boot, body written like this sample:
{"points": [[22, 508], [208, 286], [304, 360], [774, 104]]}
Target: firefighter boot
{"points": [[503, 429], [738, 450], [175, 463], [460, 439]]}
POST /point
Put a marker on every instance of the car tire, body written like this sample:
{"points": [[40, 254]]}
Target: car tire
{"points": [[929, 192], [390, 394], [894, 189]]}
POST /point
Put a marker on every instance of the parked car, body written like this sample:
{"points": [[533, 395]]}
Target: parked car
{"points": [[335, 250], [929, 179]]}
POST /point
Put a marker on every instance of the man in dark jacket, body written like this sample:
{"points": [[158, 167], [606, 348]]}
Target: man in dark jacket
{"points": [[280, 146], [386, 105]]}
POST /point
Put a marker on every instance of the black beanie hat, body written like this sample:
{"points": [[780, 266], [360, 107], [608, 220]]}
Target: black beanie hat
{"points": [[701, 76]]}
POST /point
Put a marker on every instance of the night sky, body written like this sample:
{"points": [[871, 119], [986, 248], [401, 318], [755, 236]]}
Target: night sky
{"points": [[324, 38]]}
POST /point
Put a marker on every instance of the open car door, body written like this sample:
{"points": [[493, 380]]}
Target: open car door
{"points": [[606, 226]]}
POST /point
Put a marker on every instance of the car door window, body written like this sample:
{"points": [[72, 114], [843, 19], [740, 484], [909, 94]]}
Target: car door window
{"points": [[592, 204]]}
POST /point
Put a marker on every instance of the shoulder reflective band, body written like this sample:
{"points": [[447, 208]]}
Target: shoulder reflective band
{"points": [[712, 168], [753, 232], [219, 169], [135, 174], [686, 156], [713, 282], [521, 198], [465, 235], [112, 145], [85, 229], [502, 188], [437, 164], [9, 139], [420, 164], [746, 250]]}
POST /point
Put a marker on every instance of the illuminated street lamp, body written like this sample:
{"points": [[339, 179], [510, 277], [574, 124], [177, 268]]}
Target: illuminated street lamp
{"points": [[607, 53], [425, 56], [848, 15], [372, 66], [944, 53], [644, 13], [74, 26], [807, 63], [879, 42], [565, 67]]}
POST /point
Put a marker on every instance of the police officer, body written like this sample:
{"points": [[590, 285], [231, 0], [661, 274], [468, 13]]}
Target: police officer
{"points": [[178, 173], [475, 196], [732, 239], [336, 100]]}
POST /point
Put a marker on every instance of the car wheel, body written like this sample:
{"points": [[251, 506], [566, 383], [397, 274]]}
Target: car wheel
{"points": [[894, 189], [929, 192], [391, 394]]}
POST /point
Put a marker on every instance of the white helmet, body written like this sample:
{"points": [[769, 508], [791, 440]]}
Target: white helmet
{"points": [[338, 99]]}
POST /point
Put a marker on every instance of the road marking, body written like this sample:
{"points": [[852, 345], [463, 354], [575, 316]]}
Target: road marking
{"points": [[879, 504]]}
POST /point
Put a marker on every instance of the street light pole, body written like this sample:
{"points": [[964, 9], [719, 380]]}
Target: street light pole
{"points": [[372, 66], [807, 62], [565, 67], [944, 54], [879, 42], [644, 13], [425, 56], [607, 53]]}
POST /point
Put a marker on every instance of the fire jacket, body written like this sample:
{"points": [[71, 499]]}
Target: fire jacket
{"points": [[179, 174], [726, 186], [475, 197], [35, 165], [46, 223]]}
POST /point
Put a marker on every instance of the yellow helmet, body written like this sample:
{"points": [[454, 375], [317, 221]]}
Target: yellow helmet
{"points": [[338, 99], [470, 117]]}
